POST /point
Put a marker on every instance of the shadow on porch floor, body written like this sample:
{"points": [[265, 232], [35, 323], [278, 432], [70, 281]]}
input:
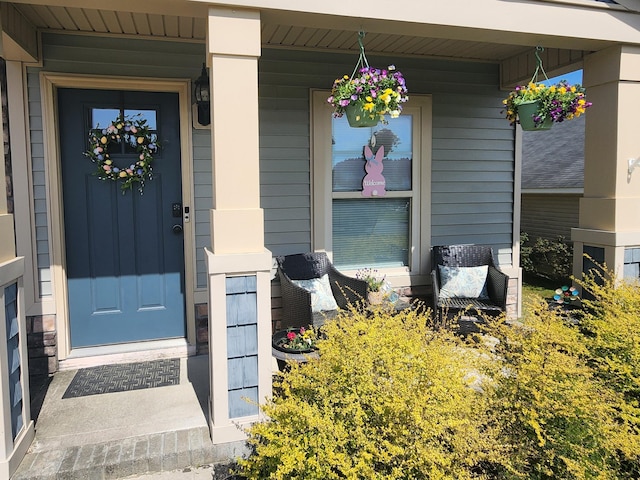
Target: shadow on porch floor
{"points": [[115, 435]]}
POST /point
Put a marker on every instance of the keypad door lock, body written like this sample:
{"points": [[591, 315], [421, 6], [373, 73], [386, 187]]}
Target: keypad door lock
{"points": [[176, 210]]}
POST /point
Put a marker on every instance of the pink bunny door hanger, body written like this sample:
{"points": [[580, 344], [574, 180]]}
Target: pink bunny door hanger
{"points": [[373, 183]]}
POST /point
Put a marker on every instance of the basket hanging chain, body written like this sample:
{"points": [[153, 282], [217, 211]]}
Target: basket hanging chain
{"points": [[362, 59], [539, 67]]}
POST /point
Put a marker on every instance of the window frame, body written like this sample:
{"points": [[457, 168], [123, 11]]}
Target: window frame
{"points": [[420, 106]]}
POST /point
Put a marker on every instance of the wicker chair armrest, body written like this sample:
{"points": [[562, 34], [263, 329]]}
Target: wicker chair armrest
{"points": [[497, 282], [346, 290], [435, 288], [296, 303]]}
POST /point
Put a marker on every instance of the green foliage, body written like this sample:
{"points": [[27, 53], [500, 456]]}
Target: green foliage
{"points": [[390, 397], [395, 404], [611, 325], [370, 275], [544, 401], [550, 259]]}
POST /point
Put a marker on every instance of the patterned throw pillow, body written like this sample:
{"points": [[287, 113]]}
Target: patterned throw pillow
{"points": [[321, 294], [464, 282]]}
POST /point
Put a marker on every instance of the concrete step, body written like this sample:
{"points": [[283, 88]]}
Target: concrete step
{"points": [[157, 452], [120, 434]]}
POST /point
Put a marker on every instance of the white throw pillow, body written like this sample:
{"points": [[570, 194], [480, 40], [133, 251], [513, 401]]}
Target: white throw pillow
{"points": [[321, 294], [464, 282]]}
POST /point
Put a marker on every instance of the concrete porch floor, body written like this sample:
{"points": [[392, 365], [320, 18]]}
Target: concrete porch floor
{"points": [[117, 435]]}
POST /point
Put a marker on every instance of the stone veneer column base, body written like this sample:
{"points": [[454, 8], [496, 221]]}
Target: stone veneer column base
{"points": [[42, 343]]}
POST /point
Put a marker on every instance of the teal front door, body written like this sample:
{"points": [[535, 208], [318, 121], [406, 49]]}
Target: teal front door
{"points": [[124, 252]]}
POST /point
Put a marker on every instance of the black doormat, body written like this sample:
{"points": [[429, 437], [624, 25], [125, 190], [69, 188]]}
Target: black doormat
{"points": [[124, 377]]}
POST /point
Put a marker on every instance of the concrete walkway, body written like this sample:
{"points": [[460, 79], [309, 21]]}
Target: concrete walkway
{"points": [[123, 434]]}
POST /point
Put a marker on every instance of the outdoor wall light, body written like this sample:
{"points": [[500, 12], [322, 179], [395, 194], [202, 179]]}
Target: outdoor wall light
{"points": [[201, 91]]}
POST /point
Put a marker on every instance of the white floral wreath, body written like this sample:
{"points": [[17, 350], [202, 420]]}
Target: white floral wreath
{"points": [[134, 131]]}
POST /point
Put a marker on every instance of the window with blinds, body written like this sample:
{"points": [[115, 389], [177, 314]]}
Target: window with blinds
{"points": [[374, 230]]}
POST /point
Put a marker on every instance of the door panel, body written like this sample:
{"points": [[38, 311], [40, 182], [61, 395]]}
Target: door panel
{"points": [[125, 265]]}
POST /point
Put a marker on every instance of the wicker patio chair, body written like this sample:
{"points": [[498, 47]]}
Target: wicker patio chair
{"points": [[296, 301], [495, 300]]}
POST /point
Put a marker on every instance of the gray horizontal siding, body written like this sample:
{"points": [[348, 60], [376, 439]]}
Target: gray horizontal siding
{"points": [[472, 169], [472, 153], [120, 56], [549, 215], [38, 193], [202, 192]]}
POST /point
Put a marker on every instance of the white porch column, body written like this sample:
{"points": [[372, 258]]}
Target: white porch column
{"points": [[238, 263], [609, 225], [16, 426]]}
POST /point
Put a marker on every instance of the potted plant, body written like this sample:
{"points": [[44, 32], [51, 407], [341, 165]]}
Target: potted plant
{"points": [[294, 345], [375, 295], [368, 95], [295, 340], [537, 106]]}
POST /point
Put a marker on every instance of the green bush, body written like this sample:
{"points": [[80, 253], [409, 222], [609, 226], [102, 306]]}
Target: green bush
{"points": [[391, 398], [550, 259], [611, 326], [545, 404], [388, 399]]}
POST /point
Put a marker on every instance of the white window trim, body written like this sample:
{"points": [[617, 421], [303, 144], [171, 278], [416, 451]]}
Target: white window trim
{"points": [[420, 106]]}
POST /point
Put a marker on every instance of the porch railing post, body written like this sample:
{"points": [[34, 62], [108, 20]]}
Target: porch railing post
{"points": [[15, 411]]}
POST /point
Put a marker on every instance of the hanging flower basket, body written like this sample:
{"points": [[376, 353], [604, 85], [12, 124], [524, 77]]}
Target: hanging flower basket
{"points": [[357, 116], [369, 93], [527, 112], [537, 106]]}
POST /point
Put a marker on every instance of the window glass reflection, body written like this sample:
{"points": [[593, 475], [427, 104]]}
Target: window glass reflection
{"points": [[101, 117], [348, 159], [148, 115]]}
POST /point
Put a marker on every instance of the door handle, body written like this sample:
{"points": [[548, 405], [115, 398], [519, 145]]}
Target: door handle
{"points": [[177, 229]]}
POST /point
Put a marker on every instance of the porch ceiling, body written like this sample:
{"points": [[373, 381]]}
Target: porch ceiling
{"points": [[192, 27]]}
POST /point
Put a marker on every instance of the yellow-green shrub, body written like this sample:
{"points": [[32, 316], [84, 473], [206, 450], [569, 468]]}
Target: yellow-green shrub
{"points": [[557, 419], [611, 324], [388, 399], [391, 398]]}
